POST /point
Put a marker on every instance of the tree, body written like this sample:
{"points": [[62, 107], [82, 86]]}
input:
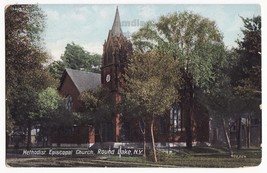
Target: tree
{"points": [[98, 108], [48, 104], [75, 57], [220, 100], [247, 76], [132, 110], [52, 113], [56, 69], [25, 56], [151, 83], [189, 39]]}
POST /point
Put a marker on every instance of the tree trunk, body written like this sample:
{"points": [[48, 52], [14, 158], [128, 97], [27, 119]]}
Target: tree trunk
{"points": [[144, 136], [49, 141], [239, 135], [227, 138], [248, 132], [188, 132], [153, 140], [188, 124], [43, 136], [143, 131], [189, 108], [100, 131], [29, 135]]}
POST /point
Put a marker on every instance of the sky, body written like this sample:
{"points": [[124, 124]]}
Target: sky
{"points": [[88, 24]]}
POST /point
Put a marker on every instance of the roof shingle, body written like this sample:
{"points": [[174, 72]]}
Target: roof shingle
{"points": [[84, 80]]}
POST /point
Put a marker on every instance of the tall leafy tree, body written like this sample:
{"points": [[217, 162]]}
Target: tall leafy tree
{"points": [[147, 75], [220, 100], [191, 40], [25, 73], [75, 57], [247, 76], [237, 89], [52, 113]]}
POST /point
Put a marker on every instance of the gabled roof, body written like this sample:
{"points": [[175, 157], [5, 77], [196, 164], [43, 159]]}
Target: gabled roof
{"points": [[116, 27], [82, 80]]}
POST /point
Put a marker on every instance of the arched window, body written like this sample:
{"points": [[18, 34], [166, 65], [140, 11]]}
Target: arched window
{"points": [[68, 102], [175, 119]]}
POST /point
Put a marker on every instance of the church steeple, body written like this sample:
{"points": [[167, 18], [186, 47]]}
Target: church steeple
{"points": [[115, 52], [114, 62], [116, 27]]}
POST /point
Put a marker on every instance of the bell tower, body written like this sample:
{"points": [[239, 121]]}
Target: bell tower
{"points": [[116, 49]]}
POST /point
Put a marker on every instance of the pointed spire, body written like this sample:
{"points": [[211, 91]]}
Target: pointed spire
{"points": [[116, 28]]}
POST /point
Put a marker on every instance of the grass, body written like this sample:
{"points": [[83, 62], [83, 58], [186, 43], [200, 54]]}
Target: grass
{"points": [[197, 157]]}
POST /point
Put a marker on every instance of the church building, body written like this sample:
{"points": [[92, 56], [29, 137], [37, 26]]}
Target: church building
{"points": [[169, 129]]}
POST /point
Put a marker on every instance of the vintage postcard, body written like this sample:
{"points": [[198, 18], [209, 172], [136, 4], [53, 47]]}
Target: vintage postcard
{"points": [[133, 85]]}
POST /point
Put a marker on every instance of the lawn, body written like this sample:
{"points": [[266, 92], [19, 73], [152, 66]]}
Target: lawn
{"points": [[197, 157]]}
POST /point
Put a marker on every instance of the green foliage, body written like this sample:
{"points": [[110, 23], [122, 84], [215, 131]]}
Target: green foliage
{"points": [[52, 113], [49, 101], [25, 73], [186, 37], [247, 75], [195, 43], [26, 105], [75, 57], [97, 105], [56, 69], [220, 100], [94, 99], [146, 77], [238, 76], [151, 82]]}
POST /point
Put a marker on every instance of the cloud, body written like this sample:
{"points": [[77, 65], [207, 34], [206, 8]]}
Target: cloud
{"points": [[93, 47], [85, 25], [57, 48], [88, 25]]}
